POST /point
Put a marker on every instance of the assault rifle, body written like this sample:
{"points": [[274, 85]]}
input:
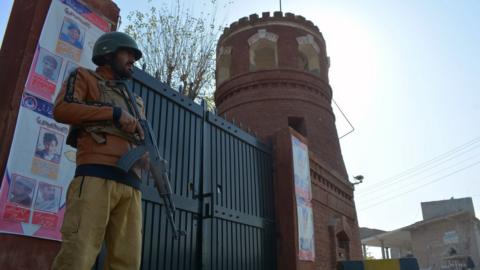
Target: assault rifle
{"points": [[158, 165]]}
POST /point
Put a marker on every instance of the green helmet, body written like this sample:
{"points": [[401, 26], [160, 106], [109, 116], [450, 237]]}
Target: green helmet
{"points": [[110, 43]]}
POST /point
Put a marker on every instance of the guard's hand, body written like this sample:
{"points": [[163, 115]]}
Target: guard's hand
{"points": [[128, 123], [139, 131]]}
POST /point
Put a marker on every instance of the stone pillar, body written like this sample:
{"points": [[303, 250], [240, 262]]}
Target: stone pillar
{"points": [[383, 249], [285, 204], [364, 251]]}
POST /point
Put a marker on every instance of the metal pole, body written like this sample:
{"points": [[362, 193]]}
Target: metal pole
{"points": [[280, 5]]}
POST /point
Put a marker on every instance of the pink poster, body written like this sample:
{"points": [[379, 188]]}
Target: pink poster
{"points": [[44, 74]]}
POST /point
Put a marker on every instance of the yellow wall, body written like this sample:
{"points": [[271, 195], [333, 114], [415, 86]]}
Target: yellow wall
{"points": [[382, 264]]}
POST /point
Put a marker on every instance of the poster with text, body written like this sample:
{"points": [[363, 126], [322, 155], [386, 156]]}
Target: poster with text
{"points": [[301, 169], [40, 165], [305, 230], [303, 194]]}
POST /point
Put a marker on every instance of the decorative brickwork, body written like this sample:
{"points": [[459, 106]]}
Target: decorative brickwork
{"points": [[334, 215], [265, 93]]}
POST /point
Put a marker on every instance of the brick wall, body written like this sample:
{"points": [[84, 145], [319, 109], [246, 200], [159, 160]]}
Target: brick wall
{"points": [[265, 99]]}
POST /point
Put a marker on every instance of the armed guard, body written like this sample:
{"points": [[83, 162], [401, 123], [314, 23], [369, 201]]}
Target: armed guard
{"points": [[103, 201]]}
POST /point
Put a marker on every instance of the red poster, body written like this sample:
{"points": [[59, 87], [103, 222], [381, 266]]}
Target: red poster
{"points": [[44, 74], [15, 213], [46, 220]]}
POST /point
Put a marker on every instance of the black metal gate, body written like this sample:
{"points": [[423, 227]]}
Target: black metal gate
{"points": [[221, 177]]}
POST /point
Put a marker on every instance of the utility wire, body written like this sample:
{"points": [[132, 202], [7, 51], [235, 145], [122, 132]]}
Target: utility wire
{"points": [[377, 189], [426, 163], [418, 187], [344, 116], [426, 177]]}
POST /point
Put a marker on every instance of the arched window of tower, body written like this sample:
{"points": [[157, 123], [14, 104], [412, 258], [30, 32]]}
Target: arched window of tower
{"points": [[308, 54], [302, 61], [224, 64], [263, 50], [343, 246]]}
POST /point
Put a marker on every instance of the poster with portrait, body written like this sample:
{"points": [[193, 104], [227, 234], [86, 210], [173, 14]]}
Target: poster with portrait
{"points": [[301, 168], [48, 197], [21, 193], [47, 203], [19, 200], [305, 230], [303, 194], [71, 39], [40, 165], [43, 77], [48, 150]]}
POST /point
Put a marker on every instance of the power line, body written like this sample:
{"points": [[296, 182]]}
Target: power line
{"points": [[426, 163], [418, 187], [386, 194], [374, 191]]}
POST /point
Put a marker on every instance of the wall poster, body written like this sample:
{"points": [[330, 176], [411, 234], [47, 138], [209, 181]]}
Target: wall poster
{"points": [[40, 165], [303, 194]]}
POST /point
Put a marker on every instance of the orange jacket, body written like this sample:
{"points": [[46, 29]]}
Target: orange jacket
{"points": [[71, 108]]}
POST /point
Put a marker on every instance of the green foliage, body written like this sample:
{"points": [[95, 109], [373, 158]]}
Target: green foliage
{"points": [[178, 46]]}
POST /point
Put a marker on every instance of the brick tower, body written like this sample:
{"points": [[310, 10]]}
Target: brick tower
{"points": [[272, 75], [272, 72]]}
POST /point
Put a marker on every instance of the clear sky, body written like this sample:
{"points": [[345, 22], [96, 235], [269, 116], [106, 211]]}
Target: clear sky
{"points": [[407, 75]]}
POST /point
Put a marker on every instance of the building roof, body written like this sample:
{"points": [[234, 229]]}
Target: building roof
{"points": [[367, 232], [437, 219], [401, 238]]}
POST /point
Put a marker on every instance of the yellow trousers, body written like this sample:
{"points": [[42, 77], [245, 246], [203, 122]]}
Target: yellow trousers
{"points": [[98, 209]]}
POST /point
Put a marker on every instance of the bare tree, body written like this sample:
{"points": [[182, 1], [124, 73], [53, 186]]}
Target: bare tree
{"points": [[178, 45]]}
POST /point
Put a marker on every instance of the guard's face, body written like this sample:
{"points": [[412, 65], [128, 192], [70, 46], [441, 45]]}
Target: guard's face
{"points": [[123, 63]]}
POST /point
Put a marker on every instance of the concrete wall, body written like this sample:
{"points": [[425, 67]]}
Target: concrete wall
{"points": [[431, 242], [444, 207]]}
